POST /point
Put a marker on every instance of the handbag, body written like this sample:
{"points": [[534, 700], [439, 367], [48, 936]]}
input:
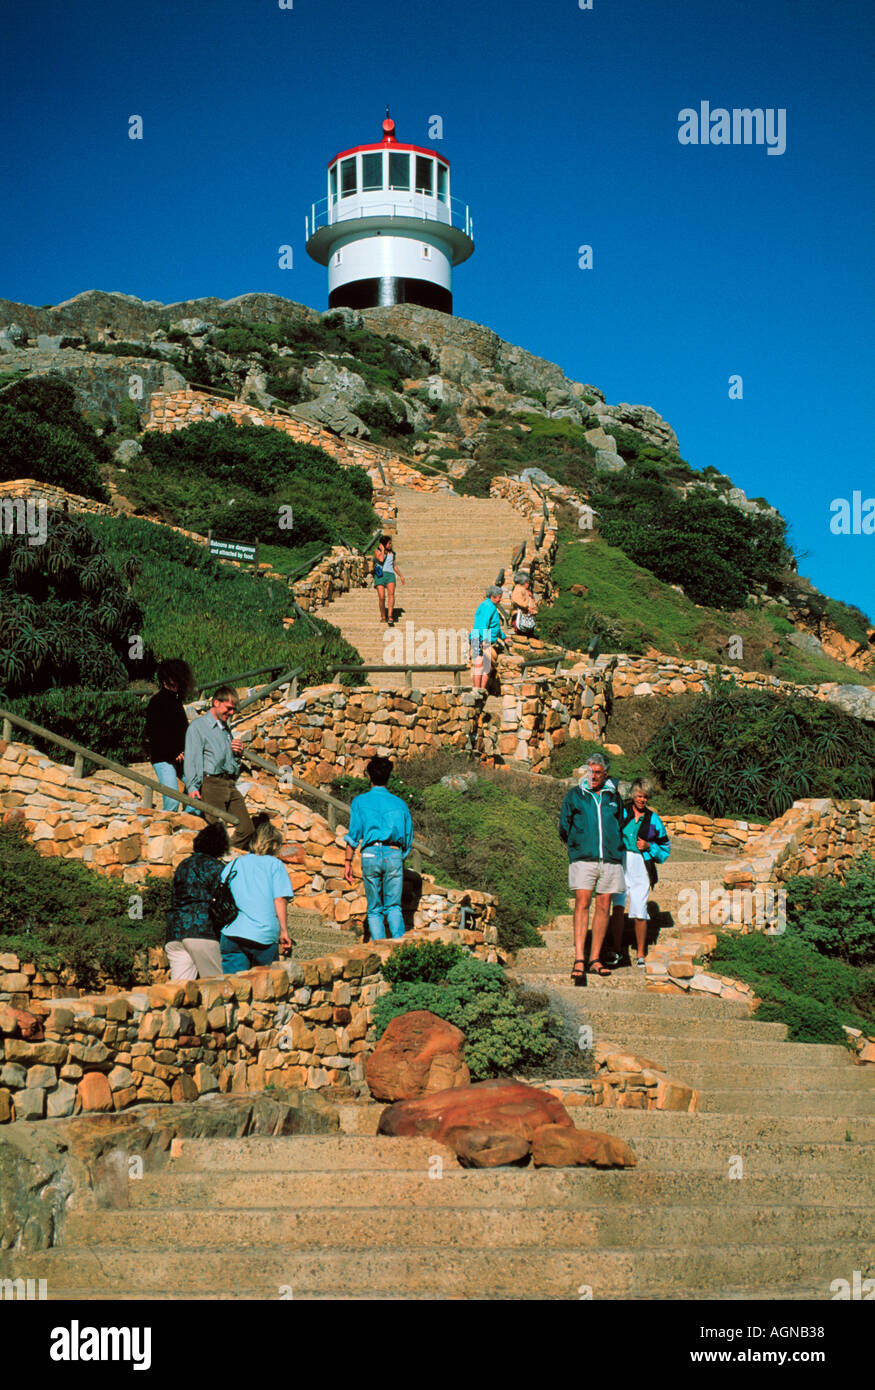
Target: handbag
{"points": [[222, 908], [525, 622]]}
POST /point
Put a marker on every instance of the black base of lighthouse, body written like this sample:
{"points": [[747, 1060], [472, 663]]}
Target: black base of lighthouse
{"points": [[388, 290]]}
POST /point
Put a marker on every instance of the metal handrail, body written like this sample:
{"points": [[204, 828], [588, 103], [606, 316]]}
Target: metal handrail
{"points": [[405, 671], [553, 659], [240, 676], [326, 213], [83, 756], [287, 678]]}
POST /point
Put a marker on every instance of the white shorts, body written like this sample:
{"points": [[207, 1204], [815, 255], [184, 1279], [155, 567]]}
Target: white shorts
{"points": [[194, 958], [596, 875], [637, 886]]}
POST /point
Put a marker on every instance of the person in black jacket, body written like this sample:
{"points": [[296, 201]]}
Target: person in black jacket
{"points": [[166, 725]]}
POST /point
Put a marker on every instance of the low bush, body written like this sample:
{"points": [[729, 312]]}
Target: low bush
{"points": [[110, 722], [837, 916], [67, 613], [59, 914], [798, 986], [500, 1035], [43, 436], [740, 753]]}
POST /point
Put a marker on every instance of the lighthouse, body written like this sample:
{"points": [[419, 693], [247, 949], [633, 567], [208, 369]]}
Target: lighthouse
{"points": [[389, 229]]}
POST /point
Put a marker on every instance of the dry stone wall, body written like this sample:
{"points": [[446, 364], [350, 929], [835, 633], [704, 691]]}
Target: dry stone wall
{"points": [[720, 835], [816, 838], [292, 1025], [103, 827]]}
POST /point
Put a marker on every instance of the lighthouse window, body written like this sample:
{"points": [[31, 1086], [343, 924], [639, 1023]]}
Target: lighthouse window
{"points": [[332, 182], [424, 172], [372, 172], [399, 171], [443, 182], [348, 183]]}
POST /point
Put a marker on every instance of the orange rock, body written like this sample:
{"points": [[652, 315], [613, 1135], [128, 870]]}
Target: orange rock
{"points": [[500, 1106], [555, 1146], [486, 1148], [93, 1092]]}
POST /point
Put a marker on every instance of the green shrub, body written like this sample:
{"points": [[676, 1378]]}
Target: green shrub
{"points": [[43, 436], [111, 723], [837, 916], [799, 986], [849, 621], [57, 913], [715, 552], [500, 1035], [427, 961], [66, 612], [741, 753]]}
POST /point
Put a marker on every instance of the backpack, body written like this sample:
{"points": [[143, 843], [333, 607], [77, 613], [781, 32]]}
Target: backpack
{"points": [[222, 908]]}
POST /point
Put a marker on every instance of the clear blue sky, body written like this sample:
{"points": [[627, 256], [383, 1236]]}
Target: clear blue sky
{"points": [[561, 125]]}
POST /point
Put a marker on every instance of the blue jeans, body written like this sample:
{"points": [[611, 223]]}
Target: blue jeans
{"points": [[383, 873], [166, 774], [238, 954]]}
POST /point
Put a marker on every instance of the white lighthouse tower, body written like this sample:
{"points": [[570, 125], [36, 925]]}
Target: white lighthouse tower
{"points": [[389, 229]]}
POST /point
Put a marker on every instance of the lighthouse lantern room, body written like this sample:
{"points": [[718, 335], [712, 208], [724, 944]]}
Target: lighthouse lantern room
{"points": [[389, 229]]}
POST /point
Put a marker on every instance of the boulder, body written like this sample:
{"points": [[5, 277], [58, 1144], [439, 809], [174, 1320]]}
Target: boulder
{"points": [[608, 462], [419, 1053], [488, 1148], [501, 1107], [127, 451], [13, 336], [858, 700], [556, 1146]]}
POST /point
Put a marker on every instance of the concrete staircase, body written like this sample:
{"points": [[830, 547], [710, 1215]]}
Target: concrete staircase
{"points": [[449, 548], [355, 1216]]}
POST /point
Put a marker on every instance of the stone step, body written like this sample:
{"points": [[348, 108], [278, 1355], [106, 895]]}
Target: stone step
{"points": [[827, 1101], [173, 1227], [701, 1154], [716, 1051], [767, 1076], [802, 1293], [558, 1273], [604, 996], [307, 1153], [817, 1129], [505, 1187]]}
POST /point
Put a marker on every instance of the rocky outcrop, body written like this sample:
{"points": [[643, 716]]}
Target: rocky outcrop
{"points": [[88, 1161], [102, 383]]}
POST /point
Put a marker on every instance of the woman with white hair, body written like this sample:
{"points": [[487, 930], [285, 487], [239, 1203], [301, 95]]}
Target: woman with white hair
{"points": [[523, 603], [260, 885], [645, 844], [485, 633]]}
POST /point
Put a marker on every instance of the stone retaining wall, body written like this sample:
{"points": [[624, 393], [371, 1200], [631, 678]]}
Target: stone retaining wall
{"points": [[101, 825], [816, 838], [329, 730], [624, 1081], [720, 835], [296, 1024], [54, 497]]}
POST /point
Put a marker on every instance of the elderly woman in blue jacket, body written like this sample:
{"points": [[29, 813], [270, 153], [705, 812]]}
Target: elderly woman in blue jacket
{"points": [[485, 632], [645, 844]]}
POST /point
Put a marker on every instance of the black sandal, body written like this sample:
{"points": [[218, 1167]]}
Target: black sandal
{"points": [[595, 967], [578, 977]]}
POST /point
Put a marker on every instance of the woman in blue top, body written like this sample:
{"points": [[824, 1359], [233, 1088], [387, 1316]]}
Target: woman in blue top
{"points": [[485, 632], [384, 579], [645, 844], [261, 888]]}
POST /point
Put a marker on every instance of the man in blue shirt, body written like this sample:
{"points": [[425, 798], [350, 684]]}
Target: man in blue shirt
{"points": [[381, 824]]}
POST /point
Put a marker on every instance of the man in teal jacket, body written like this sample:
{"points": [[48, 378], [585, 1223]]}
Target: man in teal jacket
{"points": [[645, 844], [590, 825]]}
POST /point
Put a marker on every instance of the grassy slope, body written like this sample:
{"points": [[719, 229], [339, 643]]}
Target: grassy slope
{"points": [[219, 619], [646, 612]]}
